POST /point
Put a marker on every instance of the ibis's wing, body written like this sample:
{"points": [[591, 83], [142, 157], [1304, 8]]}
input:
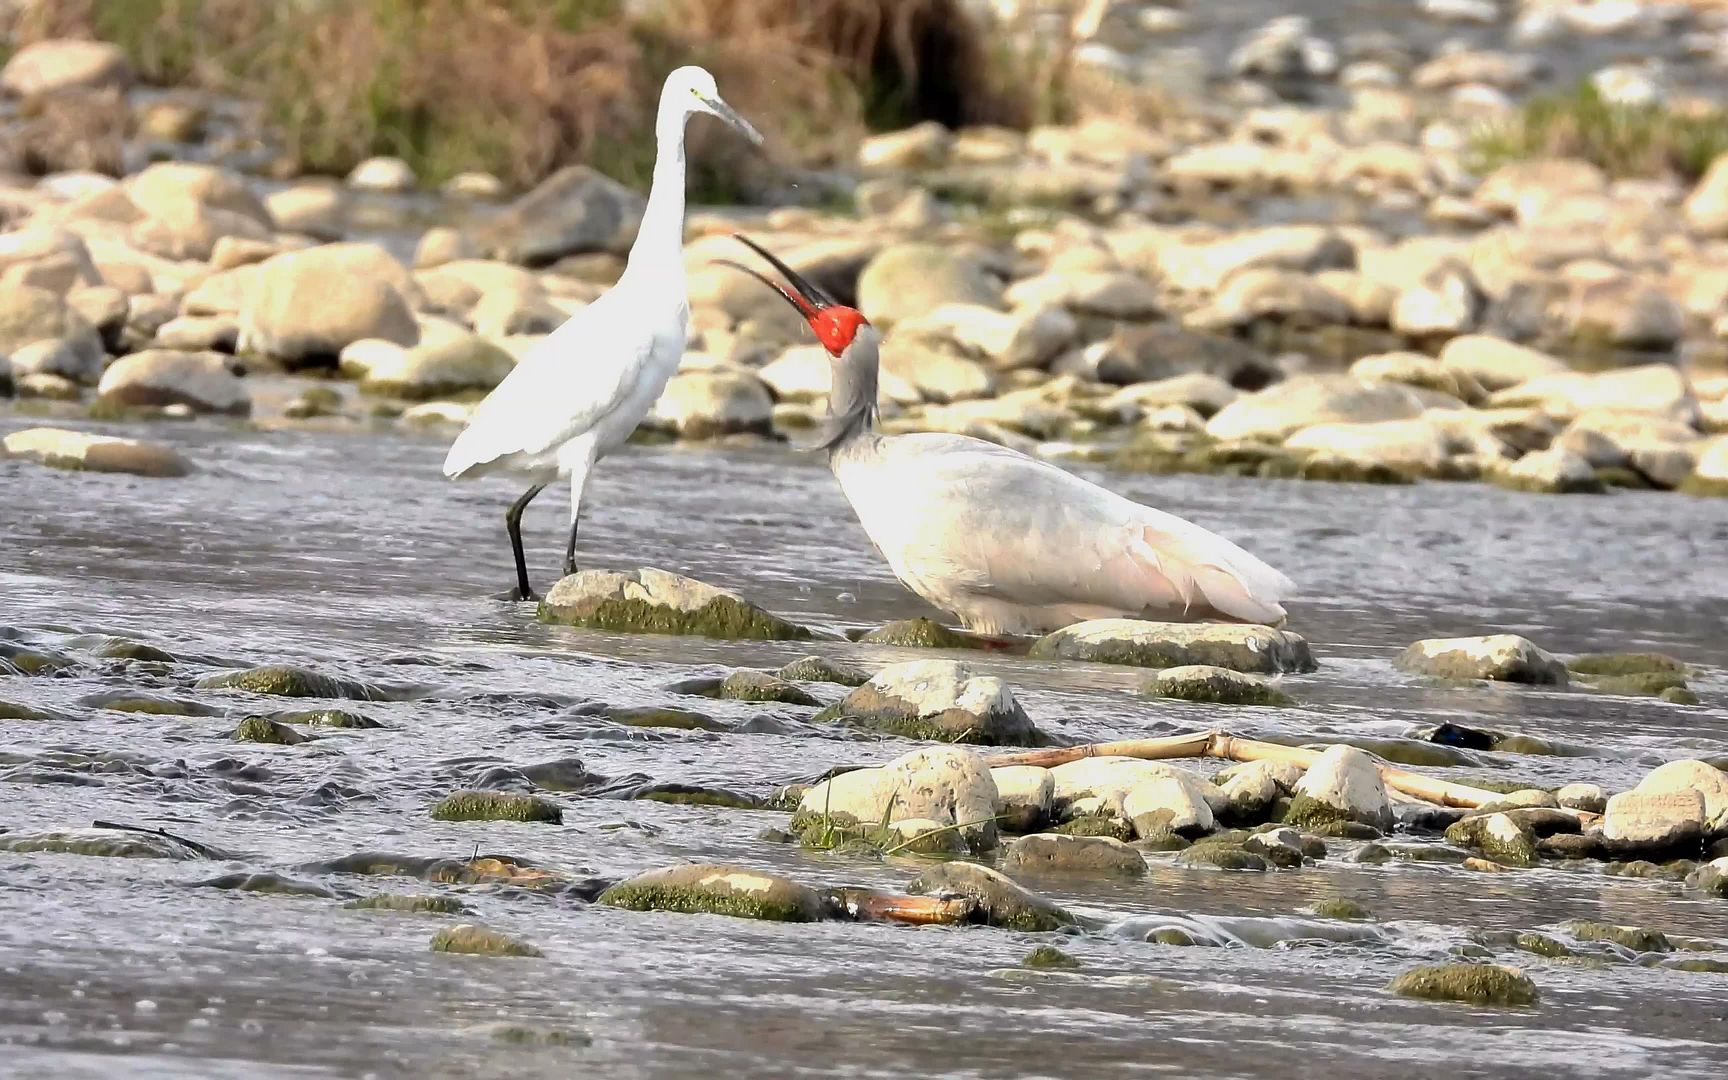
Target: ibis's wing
{"points": [[580, 373], [997, 523]]}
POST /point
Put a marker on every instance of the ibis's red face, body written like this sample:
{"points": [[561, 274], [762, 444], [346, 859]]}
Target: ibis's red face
{"points": [[835, 325]]}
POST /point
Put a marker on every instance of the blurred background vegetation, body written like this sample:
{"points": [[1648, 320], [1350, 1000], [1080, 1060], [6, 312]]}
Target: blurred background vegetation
{"points": [[519, 88]]}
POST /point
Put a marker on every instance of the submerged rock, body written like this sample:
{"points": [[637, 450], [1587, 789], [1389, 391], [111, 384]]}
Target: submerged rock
{"points": [[1047, 957], [1257, 649], [654, 601], [81, 451], [1636, 938], [1222, 686], [1711, 878], [105, 843], [331, 718], [285, 680], [1340, 908], [1474, 984], [822, 669], [1211, 856], [478, 940], [940, 700], [747, 685], [262, 729], [717, 889], [1500, 657], [430, 905], [496, 806], [1343, 784], [1053, 853], [1000, 901]]}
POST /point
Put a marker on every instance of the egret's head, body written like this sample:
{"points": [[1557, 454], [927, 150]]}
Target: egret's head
{"points": [[692, 89], [836, 326]]}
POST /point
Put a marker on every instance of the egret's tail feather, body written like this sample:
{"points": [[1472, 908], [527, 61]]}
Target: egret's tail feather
{"points": [[1198, 569]]}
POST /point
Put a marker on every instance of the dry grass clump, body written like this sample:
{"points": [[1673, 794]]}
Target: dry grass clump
{"points": [[1623, 140], [523, 87]]}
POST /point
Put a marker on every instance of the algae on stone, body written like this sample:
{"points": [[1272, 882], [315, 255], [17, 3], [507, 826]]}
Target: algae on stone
{"points": [[1472, 984], [1049, 956], [919, 633], [286, 680], [653, 601], [496, 806], [1001, 901], [746, 685], [431, 905], [262, 729], [821, 669], [1341, 908], [717, 889], [1626, 663], [1221, 857], [476, 940], [1215, 685], [1636, 938]]}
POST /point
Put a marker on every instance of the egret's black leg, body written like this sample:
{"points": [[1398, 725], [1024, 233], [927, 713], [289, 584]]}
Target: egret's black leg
{"points": [[570, 552], [513, 524]]}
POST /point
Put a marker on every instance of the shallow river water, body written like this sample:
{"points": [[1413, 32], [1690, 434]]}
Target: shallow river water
{"points": [[348, 553]]}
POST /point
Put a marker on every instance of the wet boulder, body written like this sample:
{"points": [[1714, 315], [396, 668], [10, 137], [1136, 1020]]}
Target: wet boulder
{"points": [[478, 940], [717, 889], [286, 680], [464, 364], [1024, 794], [1343, 784], [202, 381], [1554, 471], [1283, 847], [657, 602], [105, 843], [1255, 649], [1222, 857], [1095, 786], [1653, 821], [1163, 805], [83, 452], [999, 900], [919, 633], [1216, 685], [1500, 837], [748, 685], [943, 784], [1497, 657], [1047, 853], [1707, 780], [262, 729], [821, 669], [1711, 878], [496, 806], [941, 700], [1252, 789], [1472, 984]]}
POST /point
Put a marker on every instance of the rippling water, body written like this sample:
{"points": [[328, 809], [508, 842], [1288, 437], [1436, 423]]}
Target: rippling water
{"points": [[348, 553]]}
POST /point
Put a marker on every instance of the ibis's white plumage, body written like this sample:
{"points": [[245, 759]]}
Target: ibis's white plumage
{"points": [[579, 394]]}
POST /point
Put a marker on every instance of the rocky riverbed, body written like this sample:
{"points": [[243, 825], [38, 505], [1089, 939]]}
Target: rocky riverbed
{"points": [[358, 818]]}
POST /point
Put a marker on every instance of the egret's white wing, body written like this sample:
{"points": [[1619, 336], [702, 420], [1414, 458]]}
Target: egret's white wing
{"points": [[960, 515], [563, 387]]}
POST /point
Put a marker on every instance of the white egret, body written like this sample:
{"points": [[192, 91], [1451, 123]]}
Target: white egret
{"points": [[579, 394], [1008, 543]]}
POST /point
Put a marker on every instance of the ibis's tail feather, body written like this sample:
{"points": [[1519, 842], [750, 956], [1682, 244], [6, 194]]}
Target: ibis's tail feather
{"points": [[1206, 573]]}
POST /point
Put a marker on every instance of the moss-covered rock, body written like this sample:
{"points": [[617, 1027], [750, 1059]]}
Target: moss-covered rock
{"points": [[717, 889], [428, 905], [104, 843], [1000, 901], [695, 795], [140, 701], [476, 940], [1340, 908], [747, 685], [1637, 938], [286, 680], [28, 661], [262, 729], [330, 718], [1097, 825], [1214, 685], [496, 806], [650, 601], [1626, 663], [1049, 956], [1497, 657], [119, 648], [661, 716], [938, 700], [1255, 649], [1049, 853], [822, 669], [1172, 935], [1221, 857], [1498, 836], [1679, 695], [1542, 945], [1639, 683], [920, 633], [1472, 984]]}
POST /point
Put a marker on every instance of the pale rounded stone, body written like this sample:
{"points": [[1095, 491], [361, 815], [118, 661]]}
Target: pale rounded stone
{"points": [[1346, 781]]}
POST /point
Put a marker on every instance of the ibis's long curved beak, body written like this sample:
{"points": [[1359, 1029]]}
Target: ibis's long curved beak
{"points": [[731, 116], [805, 295]]}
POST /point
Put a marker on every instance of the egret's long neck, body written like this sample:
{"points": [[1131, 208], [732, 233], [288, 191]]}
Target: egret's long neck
{"points": [[852, 394], [660, 241]]}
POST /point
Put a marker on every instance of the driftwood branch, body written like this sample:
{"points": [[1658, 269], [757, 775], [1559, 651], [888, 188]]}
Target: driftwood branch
{"points": [[1218, 744]]}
